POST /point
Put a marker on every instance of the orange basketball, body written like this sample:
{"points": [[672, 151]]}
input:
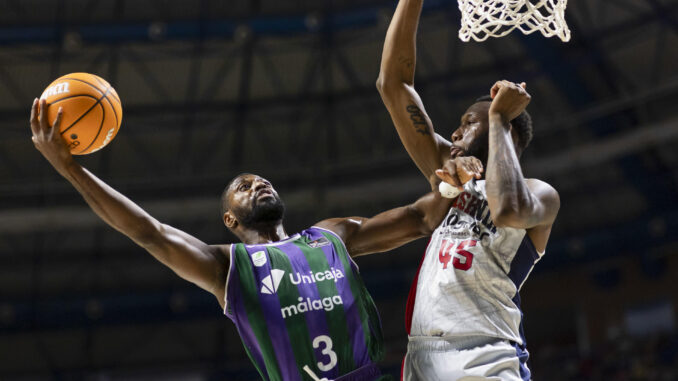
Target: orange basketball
{"points": [[92, 111]]}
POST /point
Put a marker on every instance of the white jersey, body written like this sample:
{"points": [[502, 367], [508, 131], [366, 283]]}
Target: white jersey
{"points": [[470, 276]]}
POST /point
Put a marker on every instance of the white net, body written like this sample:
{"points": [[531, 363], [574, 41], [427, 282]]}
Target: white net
{"points": [[481, 19]]}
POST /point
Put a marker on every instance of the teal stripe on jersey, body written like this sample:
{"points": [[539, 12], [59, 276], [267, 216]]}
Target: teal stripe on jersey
{"points": [[255, 315], [297, 330], [336, 318], [366, 307]]}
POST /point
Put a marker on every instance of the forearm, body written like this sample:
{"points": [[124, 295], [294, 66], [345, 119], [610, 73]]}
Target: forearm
{"points": [[399, 54], [111, 206], [395, 85], [508, 195]]}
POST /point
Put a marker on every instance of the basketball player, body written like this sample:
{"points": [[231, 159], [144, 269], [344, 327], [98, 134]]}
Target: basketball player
{"points": [[464, 319], [297, 301]]}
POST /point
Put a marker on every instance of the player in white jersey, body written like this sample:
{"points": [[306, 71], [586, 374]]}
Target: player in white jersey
{"points": [[464, 318]]}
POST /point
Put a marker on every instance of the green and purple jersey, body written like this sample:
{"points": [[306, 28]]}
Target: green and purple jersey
{"points": [[302, 310]]}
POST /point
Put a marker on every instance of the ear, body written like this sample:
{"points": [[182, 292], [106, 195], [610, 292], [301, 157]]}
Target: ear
{"points": [[229, 220]]}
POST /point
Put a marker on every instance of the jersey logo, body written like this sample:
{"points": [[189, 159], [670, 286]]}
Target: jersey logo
{"points": [[320, 242], [259, 258], [271, 282]]}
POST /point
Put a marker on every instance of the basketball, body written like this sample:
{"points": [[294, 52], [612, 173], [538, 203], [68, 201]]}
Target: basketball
{"points": [[92, 111]]}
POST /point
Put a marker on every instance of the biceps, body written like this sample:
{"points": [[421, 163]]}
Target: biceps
{"points": [[190, 258], [415, 129], [539, 213], [386, 231], [407, 110]]}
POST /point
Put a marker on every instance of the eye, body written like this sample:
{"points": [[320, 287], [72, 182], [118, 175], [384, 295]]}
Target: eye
{"points": [[243, 187]]}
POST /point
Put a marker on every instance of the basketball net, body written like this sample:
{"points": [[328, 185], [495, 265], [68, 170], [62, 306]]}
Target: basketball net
{"points": [[481, 19]]}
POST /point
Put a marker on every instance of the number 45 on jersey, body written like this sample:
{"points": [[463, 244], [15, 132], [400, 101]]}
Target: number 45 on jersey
{"points": [[461, 259]]}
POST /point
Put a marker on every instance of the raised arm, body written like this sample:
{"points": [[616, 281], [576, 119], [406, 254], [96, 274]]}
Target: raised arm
{"points": [[187, 256], [392, 228], [396, 86], [513, 200]]}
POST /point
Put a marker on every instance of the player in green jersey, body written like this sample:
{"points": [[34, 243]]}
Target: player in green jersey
{"points": [[298, 301]]}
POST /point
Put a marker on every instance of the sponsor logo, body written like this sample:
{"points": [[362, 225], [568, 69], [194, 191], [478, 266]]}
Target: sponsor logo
{"points": [[320, 242], [259, 258], [270, 284], [109, 136], [331, 274], [59, 88], [309, 304]]}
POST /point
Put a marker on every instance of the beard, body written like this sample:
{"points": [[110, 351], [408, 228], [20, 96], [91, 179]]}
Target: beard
{"points": [[479, 148], [264, 213]]}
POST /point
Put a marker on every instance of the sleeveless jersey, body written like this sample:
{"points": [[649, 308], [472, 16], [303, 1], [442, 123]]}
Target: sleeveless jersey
{"points": [[470, 275], [301, 308]]}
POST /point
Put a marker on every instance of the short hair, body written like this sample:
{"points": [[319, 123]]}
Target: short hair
{"points": [[522, 123], [225, 206]]}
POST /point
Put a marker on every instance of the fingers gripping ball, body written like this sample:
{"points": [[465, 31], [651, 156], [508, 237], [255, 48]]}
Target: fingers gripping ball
{"points": [[448, 191], [92, 111]]}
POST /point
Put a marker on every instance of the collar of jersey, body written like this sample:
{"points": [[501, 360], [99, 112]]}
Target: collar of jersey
{"points": [[286, 240]]}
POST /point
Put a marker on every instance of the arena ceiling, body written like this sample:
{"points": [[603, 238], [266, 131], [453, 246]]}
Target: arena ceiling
{"points": [[286, 89]]}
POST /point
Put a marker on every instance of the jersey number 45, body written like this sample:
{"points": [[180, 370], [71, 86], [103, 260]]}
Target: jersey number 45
{"points": [[461, 259]]}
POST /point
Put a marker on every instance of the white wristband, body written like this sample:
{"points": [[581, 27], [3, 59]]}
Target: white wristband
{"points": [[448, 191]]}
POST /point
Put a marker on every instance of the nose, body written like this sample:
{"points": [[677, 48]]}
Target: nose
{"points": [[457, 135], [258, 185]]}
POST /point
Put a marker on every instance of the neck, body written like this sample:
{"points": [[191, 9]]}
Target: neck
{"points": [[264, 234]]}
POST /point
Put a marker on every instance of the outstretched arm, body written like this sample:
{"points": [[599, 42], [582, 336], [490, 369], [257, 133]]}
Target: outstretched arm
{"points": [[392, 228], [396, 86], [187, 256], [513, 200]]}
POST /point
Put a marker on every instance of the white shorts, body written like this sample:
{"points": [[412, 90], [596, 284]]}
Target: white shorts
{"points": [[467, 359]]}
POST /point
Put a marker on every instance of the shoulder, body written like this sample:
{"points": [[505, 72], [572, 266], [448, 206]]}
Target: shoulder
{"points": [[546, 193], [342, 227]]}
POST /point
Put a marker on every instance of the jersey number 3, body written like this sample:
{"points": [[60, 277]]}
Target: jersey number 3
{"points": [[461, 259], [326, 343]]}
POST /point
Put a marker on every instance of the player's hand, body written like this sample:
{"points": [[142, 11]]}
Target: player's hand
{"points": [[460, 170], [48, 139], [508, 99]]}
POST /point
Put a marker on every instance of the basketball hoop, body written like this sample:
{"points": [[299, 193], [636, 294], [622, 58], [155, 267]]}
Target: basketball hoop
{"points": [[481, 19]]}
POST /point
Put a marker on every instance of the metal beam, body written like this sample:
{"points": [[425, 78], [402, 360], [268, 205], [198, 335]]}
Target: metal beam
{"points": [[395, 188]]}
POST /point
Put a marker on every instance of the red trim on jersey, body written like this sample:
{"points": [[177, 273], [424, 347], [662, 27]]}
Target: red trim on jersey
{"points": [[409, 308]]}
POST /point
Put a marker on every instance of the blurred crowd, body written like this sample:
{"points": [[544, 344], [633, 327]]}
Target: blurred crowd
{"points": [[651, 358]]}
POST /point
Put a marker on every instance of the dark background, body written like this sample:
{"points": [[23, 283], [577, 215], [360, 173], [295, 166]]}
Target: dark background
{"points": [[285, 89]]}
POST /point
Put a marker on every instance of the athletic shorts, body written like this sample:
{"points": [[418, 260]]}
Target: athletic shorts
{"points": [[467, 359]]}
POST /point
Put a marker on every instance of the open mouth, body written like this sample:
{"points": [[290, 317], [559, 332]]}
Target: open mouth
{"points": [[264, 193]]}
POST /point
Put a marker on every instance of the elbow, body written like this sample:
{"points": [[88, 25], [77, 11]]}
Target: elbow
{"points": [[380, 84], [147, 232], [388, 86]]}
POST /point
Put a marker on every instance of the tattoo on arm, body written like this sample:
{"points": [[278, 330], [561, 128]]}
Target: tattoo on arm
{"points": [[418, 120]]}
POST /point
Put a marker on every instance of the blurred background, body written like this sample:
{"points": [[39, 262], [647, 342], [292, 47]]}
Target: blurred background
{"points": [[286, 89]]}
